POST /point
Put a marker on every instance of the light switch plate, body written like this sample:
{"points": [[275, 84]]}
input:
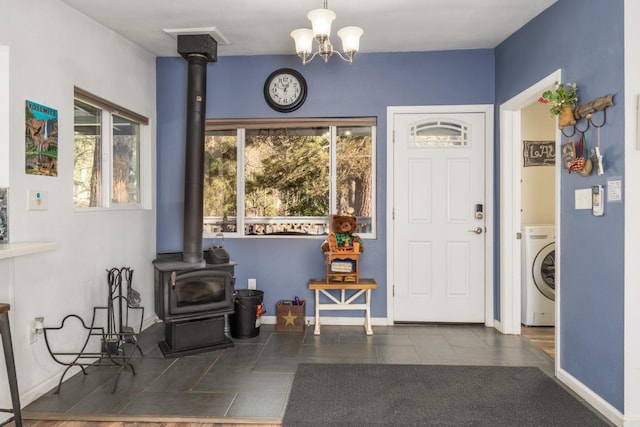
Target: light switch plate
{"points": [[584, 199], [37, 200]]}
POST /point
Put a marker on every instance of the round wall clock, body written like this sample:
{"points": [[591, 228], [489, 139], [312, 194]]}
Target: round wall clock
{"points": [[285, 90]]}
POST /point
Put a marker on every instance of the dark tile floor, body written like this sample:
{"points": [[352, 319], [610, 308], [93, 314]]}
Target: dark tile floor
{"points": [[252, 379]]}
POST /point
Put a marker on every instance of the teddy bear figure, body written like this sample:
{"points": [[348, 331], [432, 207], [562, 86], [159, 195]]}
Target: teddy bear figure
{"points": [[343, 228]]}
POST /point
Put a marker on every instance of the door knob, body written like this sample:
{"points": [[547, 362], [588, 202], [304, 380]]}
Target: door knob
{"points": [[477, 230]]}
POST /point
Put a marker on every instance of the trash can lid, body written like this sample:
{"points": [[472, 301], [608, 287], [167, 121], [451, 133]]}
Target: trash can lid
{"points": [[245, 293]]}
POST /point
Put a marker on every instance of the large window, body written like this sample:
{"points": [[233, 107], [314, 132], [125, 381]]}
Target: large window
{"points": [[288, 177], [107, 154]]}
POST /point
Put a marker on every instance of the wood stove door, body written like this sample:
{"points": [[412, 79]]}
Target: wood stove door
{"points": [[199, 291]]}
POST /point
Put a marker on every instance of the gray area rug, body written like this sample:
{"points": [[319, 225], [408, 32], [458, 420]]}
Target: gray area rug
{"points": [[415, 395]]}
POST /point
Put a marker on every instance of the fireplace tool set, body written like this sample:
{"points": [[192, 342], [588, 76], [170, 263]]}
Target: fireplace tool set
{"points": [[120, 331]]}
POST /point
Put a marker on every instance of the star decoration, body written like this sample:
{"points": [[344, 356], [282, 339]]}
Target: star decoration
{"points": [[290, 319]]}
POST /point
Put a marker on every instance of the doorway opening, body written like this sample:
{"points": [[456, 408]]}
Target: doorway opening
{"points": [[521, 200]]}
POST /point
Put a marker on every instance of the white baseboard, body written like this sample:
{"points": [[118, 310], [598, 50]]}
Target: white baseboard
{"points": [[43, 388], [600, 405], [329, 320], [631, 422], [150, 321], [498, 326]]}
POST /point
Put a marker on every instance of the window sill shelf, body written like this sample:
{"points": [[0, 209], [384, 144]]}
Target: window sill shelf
{"points": [[12, 250]]}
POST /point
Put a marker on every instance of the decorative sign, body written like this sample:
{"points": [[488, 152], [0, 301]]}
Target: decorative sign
{"points": [[342, 266], [539, 153], [41, 140]]}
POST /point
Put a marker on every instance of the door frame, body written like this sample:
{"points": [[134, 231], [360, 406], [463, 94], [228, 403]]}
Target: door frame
{"points": [[510, 204], [487, 109]]}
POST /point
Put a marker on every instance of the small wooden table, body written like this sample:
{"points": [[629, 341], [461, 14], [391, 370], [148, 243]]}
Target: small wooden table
{"points": [[344, 302]]}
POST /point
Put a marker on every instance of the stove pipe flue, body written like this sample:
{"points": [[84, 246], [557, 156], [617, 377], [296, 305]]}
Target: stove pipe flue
{"points": [[198, 50]]}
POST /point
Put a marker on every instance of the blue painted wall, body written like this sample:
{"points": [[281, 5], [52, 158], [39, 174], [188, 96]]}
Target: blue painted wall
{"points": [[585, 39], [283, 266]]}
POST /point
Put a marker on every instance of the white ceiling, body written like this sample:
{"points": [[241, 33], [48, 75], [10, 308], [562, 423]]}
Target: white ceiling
{"points": [[262, 27]]}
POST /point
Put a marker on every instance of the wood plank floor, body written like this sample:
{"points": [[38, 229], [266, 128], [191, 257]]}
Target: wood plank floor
{"points": [[133, 424], [542, 337]]}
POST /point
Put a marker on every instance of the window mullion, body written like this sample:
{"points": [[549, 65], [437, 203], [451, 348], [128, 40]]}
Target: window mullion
{"points": [[333, 168], [107, 161], [240, 228], [374, 174]]}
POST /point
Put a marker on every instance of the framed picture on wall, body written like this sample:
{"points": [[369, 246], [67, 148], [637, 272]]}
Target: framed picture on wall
{"points": [[41, 139]]}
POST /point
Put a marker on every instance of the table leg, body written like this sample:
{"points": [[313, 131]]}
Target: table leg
{"points": [[316, 330], [367, 321], [7, 346]]}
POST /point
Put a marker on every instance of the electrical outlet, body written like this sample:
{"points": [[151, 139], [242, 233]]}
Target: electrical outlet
{"points": [[33, 336], [251, 284], [35, 330]]}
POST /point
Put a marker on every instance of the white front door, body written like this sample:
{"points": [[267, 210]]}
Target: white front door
{"points": [[438, 217]]}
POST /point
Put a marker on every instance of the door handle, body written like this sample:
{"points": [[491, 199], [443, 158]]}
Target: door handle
{"points": [[477, 230]]}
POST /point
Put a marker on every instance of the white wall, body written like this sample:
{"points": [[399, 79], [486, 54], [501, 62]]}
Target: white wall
{"points": [[51, 49], [538, 182], [4, 115], [631, 197]]}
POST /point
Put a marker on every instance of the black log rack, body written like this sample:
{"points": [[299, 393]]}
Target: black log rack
{"points": [[114, 344]]}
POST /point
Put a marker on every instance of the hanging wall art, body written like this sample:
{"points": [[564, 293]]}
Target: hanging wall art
{"points": [[41, 140]]}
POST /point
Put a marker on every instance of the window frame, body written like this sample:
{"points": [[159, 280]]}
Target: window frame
{"points": [[241, 125], [107, 110]]}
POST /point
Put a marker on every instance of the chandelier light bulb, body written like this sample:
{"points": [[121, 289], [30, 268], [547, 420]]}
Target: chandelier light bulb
{"points": [[350, 37], [321, 20], [304, 39]]}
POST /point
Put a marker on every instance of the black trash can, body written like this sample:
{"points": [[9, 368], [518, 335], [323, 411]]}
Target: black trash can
{"points": [[245, 322]]}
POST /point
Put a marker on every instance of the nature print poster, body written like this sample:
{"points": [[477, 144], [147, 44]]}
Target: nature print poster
{"points": [[41, 140]]}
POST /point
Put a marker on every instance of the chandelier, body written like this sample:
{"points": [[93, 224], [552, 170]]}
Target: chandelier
{"points": [[321, 30]]}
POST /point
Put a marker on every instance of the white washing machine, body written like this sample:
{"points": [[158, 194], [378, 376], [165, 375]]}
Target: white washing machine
{"points": [[538, 275]]}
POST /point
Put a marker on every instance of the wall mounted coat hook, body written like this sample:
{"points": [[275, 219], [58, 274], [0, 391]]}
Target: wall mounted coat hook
{"points": [[586, 111], [598, 104]]}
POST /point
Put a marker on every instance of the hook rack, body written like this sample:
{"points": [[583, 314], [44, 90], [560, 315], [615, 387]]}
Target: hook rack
{"points": [[585, 111]]}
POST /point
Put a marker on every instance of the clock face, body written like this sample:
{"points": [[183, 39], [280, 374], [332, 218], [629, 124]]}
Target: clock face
{"points": [[285, 90]]}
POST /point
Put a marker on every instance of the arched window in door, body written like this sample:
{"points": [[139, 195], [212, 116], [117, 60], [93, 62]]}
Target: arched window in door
{"points": [[439, 133]]}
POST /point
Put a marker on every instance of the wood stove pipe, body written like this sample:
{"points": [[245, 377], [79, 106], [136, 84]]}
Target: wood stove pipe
{"points": [[198, 50]]}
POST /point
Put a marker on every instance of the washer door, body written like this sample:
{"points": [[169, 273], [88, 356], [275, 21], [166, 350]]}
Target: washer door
{"points": [[544, 271]]}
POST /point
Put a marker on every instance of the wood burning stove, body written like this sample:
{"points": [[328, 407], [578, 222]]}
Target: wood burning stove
{"points": [[188, 293], [193, 303], [191, 296]]}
